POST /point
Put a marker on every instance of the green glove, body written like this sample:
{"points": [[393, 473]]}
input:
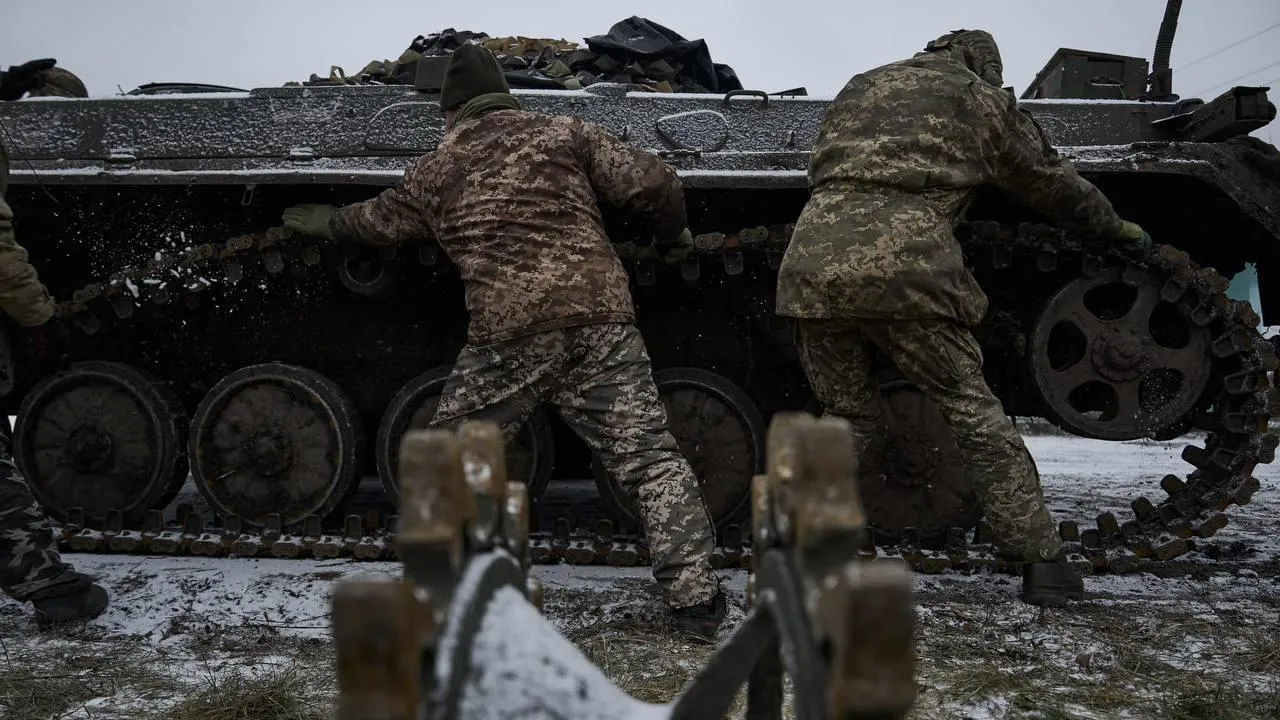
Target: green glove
{"points": [[309, 219], [1134, 237], [679, 249]]}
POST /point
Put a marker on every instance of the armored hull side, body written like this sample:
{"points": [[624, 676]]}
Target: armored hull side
{"points": [[148, 217]]}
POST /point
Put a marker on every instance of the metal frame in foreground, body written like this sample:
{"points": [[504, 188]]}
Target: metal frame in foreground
{"points": [[462, 636]]}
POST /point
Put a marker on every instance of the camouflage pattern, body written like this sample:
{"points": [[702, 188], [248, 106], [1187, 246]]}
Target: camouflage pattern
{"points": [[898, 158], [944, 360], [22, 296], [511, 197], [29, 564], [599, 379], [976, 50]]}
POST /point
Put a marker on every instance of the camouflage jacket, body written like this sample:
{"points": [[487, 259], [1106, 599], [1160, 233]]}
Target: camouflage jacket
{"points": [[899, 155], [22, 295], [511, 197]]}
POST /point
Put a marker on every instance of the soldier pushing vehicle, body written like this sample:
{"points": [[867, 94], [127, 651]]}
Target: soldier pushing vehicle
{"points": [[30, 567], [874, 265], [511, 197]]}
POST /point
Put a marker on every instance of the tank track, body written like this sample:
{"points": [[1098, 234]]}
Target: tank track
{"points": [[1235, 415]]}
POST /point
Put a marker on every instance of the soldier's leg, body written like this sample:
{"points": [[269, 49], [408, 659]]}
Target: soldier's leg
{"points": [[502, 382], [610, 400], [836, 358], [945, 361], [30, 568], [29, 560]]}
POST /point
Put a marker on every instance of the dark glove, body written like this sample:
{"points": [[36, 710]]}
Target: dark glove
{"points": [[309, 219], [18, 79], [1134, 239], [679, 249]]}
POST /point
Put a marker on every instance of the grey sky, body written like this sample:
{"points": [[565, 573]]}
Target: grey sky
{"points": [[773, 45]]}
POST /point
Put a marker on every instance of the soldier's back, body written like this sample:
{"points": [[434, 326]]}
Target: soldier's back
{"points": [[515, 210], [915, 125], [898, 155]]}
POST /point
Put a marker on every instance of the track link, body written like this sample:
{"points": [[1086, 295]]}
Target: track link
{"points": [[1235, 413]]}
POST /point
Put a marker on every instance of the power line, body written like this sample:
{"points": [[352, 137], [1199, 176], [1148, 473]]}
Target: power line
{"points": [[1226, 48], [1238, 77]]}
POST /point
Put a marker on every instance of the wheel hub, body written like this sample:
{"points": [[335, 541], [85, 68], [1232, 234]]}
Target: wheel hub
{"points": [[89, 447], [1120, 353], [910, 462], [270, 451]]}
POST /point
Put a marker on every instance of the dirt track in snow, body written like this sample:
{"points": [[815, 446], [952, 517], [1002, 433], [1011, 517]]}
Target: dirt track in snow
{"points": [[213, 638]]}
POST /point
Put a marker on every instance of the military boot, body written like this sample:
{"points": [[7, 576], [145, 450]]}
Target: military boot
{"points": [[81, 599], [699, 623], [1051, 583]]}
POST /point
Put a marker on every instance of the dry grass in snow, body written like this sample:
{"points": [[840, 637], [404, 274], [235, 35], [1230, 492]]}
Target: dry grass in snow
{"points": [[207, 639]]}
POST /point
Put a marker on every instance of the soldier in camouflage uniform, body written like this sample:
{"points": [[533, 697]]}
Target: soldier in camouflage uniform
{"points": [[873, 264], [511, 197], [30, 568]]}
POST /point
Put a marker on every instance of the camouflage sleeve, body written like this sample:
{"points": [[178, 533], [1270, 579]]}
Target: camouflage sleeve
{"points": [[1028, 168], [396, 215], [22, 295], [633, 180]]}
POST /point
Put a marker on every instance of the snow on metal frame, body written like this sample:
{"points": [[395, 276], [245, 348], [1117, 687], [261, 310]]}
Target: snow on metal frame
{"points": [[368, 136], [288, 126], [521, 664]]}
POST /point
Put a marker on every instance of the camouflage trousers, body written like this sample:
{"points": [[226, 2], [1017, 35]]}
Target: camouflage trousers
{"points": [[598, 378], [944, 360], [29, 561]]}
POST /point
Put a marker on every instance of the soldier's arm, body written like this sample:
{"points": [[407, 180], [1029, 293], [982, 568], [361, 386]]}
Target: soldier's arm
{"points": [[1026, 166], [22, 295], [396, 215], [636, 181]]}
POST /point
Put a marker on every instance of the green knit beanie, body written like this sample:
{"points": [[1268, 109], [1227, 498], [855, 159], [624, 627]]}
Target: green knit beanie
{"points": [[472, 71]]}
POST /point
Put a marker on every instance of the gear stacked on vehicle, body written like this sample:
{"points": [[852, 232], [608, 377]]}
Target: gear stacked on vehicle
{"points": [[635, 52]]}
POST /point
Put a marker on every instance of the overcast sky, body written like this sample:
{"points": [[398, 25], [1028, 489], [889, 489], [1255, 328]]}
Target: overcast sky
{"points": [[772, 44]]}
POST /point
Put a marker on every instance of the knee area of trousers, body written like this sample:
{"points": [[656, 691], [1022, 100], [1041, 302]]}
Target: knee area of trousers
{"points": [[988, 438], [641, 460]]}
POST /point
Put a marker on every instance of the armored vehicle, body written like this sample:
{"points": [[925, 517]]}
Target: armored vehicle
{"points": [[278, 372]]}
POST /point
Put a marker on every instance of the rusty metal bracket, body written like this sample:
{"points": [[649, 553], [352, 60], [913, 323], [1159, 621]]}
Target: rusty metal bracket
{"points": [[461, 636]]}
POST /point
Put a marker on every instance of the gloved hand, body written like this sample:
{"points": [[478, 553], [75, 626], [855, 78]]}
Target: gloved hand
{"points": [[309, 219], [1134, 238], [679, 250], [18, 79]]}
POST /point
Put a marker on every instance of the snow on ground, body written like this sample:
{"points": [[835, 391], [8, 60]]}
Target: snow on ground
{"points": [[210, 638]]}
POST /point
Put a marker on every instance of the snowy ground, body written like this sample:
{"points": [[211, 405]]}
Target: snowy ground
{"points": [[248, 639]]}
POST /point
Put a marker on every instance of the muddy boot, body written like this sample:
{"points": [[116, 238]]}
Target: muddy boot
{"points": [[79, 600], [698, 623], [1051, 583]]}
